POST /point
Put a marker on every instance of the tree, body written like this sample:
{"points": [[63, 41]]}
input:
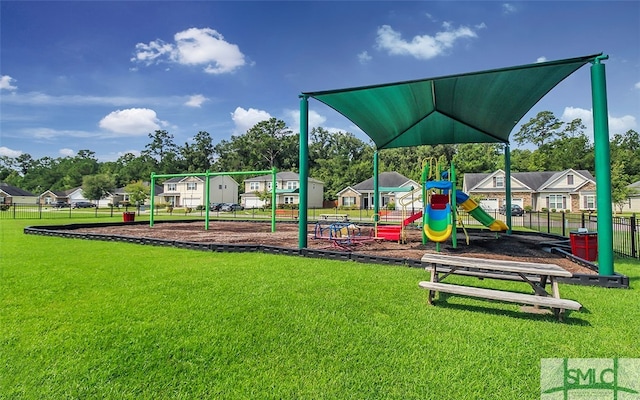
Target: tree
{"points": [[266, 145], [626, 147], [96, 187], [620, 190], [198, 157], [338, 159], [269, 140], [163, 150], [539, 130], [477, 157], [138, 192]]}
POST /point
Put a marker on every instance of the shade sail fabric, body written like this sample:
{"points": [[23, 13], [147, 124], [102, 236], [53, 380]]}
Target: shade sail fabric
{"points": [[479, 107]]}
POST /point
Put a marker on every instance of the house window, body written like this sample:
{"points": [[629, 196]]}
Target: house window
{"points": [[292, 185], [253, 186], [192, 186], [557, 202], [288, 199], [348, 201], [498, 181], [570, 179], [269, 185], [172, 187], [219, 187], [589, 202]]}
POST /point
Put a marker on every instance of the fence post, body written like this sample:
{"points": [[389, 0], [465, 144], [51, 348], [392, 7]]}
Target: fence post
{"points": [[564, 224], [582, 220], [632, 227], [548, 221]]}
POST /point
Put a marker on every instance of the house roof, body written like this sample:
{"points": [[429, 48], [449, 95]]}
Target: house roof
{"points": [[179, 179], [280, 176], [14, 191], [385, 179]]}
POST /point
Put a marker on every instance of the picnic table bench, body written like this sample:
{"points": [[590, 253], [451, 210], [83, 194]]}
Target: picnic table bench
{"points": [[537, 275], [334, 217]]}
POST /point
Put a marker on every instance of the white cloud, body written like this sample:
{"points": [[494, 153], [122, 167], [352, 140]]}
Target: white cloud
{"points": [[508, 8], [5, 151], [5, 83], [541, 59], [246, 119], [315, 120], [422, 47], [131, 122], [193, 46], [616, 124], [364, 57], [66, 152], [637, 85], [196, 101]]}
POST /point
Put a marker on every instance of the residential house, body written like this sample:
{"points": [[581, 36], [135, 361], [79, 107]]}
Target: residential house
{"points": [[120, 196], [572, 190], [70, 196], [190, 191], [633, 202], [287, 190], [393, 188], [13, 195]]}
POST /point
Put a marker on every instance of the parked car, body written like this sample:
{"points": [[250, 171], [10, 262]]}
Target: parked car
{"points": [[83, 204], [60, 204], [215, 206], [231, 207], [516, 210]]}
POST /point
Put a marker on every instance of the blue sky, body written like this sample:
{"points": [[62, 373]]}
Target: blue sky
{"points": [[101, 75]]}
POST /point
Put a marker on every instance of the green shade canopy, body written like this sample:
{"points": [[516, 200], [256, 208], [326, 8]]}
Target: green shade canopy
{"points": [[478, 107]]}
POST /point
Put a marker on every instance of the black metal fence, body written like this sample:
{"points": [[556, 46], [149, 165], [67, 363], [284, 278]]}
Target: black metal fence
{"points": [[626, 241]]}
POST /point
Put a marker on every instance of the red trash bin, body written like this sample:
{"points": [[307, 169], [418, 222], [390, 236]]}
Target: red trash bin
{"points": [[128, 216], [584, 245]]}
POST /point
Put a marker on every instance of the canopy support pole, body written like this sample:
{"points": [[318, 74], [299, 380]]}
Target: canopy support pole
{"points": [[376, 191], [507, 185], [304, 171], [603, 166]]}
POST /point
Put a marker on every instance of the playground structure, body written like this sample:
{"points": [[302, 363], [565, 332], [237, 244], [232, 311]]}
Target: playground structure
{"points": [[440, 207]]}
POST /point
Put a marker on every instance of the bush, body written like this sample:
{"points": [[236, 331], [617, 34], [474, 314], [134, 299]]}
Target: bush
{"points": [[391, 206], [528, 209], [200, 207]]}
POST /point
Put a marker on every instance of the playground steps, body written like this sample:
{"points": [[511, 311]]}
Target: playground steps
{"points": [[394, 232], [390, 232]]}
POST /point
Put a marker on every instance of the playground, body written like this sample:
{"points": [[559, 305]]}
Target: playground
{"points": [[483, 244]]}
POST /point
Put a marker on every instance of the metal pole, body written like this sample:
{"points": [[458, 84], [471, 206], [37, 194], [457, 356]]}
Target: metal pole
{"points": [[304, 170], [274, 186], [603, 166], [507, 185], [454, 207], [207, 188], [376, 191], [152, 199]]}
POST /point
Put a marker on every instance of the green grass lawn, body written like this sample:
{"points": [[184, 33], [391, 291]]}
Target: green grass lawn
{"points": [[105, 320]]}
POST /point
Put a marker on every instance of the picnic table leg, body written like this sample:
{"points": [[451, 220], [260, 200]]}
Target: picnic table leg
{"points": [[434, 278]]}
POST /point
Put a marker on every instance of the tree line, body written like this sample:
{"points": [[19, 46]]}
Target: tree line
{"points": [[338, 159]]}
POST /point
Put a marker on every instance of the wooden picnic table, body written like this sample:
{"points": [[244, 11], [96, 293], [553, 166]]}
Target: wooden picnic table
{"points": [[537, 275]]}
